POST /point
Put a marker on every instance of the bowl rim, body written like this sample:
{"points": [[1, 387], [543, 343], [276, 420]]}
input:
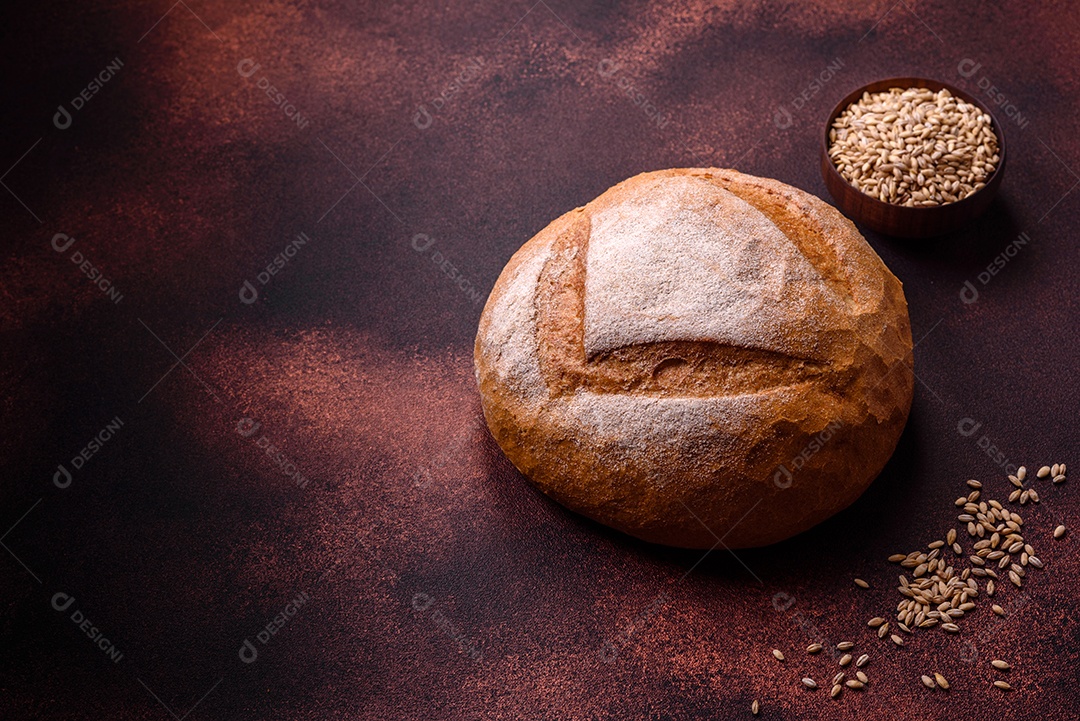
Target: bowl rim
{"points": [[915, 82]]}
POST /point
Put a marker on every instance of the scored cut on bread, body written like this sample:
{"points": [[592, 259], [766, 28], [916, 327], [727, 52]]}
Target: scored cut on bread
{"points": [[698, 355]]}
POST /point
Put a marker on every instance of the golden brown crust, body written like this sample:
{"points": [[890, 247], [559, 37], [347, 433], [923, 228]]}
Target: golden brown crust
{"points": [[757, 443]]}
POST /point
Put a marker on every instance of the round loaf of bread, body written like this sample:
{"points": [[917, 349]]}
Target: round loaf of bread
{"points": [[698, 357]]}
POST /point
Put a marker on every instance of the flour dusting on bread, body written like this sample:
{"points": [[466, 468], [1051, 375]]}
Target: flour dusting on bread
{"points": [[681, 258], [510, 337], [686, 341]]}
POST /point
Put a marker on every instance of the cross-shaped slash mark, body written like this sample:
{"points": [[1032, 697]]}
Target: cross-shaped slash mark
{"points": [[180, 361]]}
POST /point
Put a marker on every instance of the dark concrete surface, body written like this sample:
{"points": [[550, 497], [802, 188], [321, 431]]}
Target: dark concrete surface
{"points": [[405, 568]]}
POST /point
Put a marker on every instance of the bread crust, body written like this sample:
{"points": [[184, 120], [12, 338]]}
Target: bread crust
{"points": [[745, 426]]}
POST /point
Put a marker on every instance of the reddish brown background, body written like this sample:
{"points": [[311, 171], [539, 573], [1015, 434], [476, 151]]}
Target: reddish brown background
{"points": [[415, 540]]}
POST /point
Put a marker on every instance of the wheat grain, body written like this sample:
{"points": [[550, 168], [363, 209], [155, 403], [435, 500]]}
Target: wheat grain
{"points": [[914, 147]]}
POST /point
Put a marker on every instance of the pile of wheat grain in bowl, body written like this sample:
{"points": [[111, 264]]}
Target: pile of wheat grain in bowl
{"points": [[914, 147]]}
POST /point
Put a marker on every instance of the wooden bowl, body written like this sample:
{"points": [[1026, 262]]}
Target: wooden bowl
{"points": [[898, 220]]}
